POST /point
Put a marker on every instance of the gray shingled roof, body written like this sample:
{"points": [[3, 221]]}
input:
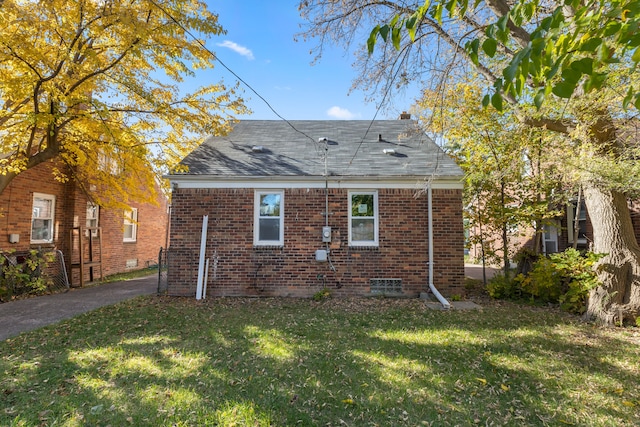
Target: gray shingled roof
{"points": [[355, 148]]}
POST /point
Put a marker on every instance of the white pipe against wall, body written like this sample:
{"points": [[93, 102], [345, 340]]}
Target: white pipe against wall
{"points": [[445, 304], [203, 246], [206, 279]]}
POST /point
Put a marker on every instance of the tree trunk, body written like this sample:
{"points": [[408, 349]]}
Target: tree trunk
{"points": [[617, 300]]}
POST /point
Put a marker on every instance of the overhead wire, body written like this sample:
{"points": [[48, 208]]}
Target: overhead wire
{"points": [[215, 57], [378, 108]]}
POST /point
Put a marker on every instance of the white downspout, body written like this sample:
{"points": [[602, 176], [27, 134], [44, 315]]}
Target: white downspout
{"points": [[443, 300], [203, 247]]}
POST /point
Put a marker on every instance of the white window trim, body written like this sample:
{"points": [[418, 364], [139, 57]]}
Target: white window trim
{"points": [[552, 231], [571, 215], [97, 218], [133, 223], [376, 214], [53, 217], [256, 219]]}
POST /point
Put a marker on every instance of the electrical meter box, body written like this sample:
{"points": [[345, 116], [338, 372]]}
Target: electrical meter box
{"points": [[326, 234]]}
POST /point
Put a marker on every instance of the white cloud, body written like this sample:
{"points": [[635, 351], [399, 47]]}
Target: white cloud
{"points": [[340, 113], [237, 48]]}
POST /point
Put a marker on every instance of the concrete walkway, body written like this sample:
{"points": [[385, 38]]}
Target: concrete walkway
{"points": [[33, 313], [474, 271]]}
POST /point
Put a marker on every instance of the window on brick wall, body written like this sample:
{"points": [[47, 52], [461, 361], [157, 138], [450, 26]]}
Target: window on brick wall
{"points": [[42, 216], [130, 225], [363, 218], [268, 223], [93, 212]]}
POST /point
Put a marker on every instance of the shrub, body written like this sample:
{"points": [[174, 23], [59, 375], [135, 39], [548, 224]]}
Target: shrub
{"points": [[503, 287], [22, 274], [563, 278], [322, 294]]}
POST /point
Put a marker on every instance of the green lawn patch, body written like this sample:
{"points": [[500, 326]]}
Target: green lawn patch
{"points": [[157, 361]]}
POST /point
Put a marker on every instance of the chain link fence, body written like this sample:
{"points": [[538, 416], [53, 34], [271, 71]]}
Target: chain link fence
{"points": [[33, 272]]}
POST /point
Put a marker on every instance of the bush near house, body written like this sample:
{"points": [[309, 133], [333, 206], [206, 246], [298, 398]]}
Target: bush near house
{"points": [[563, 278], [22, 274]]}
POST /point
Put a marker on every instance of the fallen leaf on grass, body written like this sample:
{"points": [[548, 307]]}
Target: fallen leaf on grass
{"points": [[482, 380], [504, 387]]}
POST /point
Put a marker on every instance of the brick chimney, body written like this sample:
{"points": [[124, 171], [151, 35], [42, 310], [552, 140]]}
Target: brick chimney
{"points": [[405, 116]]}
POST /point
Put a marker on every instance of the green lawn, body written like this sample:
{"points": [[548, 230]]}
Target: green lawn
{"points": [[159, 361]]}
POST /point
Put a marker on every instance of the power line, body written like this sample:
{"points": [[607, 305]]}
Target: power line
{"points": [[384, 97], [214, 56]]}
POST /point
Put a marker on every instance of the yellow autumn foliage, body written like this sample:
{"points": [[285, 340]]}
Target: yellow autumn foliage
{"points": [[97, 85]]}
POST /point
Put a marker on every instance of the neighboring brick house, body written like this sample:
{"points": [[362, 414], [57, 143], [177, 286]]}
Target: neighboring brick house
{"points": [[559, 234], [265, 192], [40, 212]]}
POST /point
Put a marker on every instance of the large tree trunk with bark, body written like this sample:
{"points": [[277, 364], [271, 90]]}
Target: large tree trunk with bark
{"points": [[617, 300]]}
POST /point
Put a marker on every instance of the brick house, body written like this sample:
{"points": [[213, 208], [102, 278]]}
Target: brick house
{"points": [[38, 212], [294, 207]]}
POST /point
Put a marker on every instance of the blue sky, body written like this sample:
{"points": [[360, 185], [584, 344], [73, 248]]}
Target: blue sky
{"points": [[259, 47]]}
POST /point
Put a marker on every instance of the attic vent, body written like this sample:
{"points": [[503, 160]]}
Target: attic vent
{"points": [[389, 151], [385, 286], [257, 149]]}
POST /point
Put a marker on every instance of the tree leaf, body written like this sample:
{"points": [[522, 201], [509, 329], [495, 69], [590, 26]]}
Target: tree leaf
{"points": [[486, 100], [564, 89], [395, 36], [595, 81], [628, 97], [371, 41], [590, 45], [384, 32], [496, 101], [489, 46], [539, 99], [472, 49], [584, 65], [571, 76]]}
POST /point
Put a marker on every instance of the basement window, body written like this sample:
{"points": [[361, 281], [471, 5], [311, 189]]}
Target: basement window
{"points": [[385, 286]]}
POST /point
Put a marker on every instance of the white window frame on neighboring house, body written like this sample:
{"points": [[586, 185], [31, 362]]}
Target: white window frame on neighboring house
{"points": [[93, 217], [42, 234], [362, 217], [582, 220], [262, 213], [549, 236], [130, 223]]}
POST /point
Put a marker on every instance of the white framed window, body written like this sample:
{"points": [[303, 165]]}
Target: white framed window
{"points": [[268, 218], [550, 239], [363, 218], [42, 216], [581, 220], [130, 225], [93, 213]]}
